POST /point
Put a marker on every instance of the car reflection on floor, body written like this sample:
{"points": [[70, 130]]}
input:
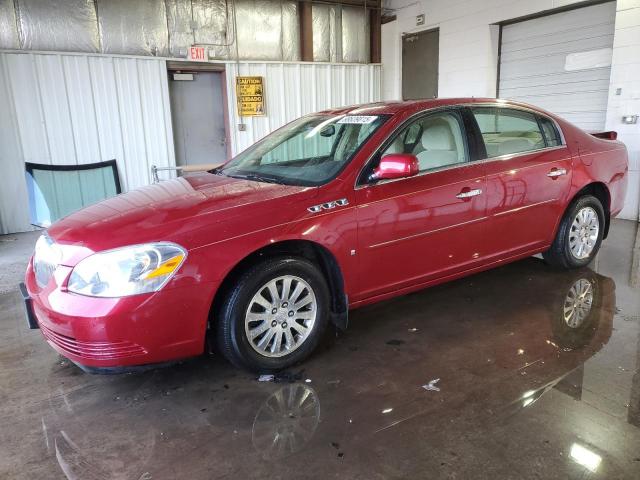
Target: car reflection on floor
{"points": [[498, 341]]}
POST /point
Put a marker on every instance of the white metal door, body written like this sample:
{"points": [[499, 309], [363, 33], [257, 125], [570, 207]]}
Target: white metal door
{"points": [[561, 62]]}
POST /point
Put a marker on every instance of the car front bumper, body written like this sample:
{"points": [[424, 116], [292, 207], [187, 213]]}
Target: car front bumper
{"points": [[110, 335]]}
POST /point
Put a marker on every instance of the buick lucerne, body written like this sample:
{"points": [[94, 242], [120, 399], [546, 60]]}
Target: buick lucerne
{"points": [[333, 211]]}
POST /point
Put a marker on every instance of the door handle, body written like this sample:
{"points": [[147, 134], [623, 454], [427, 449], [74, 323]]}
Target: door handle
{"points": [[469, 193], [557, 172]]}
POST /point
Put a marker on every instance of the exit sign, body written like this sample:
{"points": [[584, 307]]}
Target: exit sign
{"points": [[196, 53]]}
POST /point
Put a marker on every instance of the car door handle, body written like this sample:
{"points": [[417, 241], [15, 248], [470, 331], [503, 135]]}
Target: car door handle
{"points": [[469, 193], [557, 172]]}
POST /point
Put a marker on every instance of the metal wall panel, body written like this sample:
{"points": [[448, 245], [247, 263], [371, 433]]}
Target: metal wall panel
{"points": [[263, 27], [62, 25], [265, 30], [355, 35], [322, 37], [76, 109], [134, 28], [13, 192], [290, 32], [8, 26], [536, 63], [340, 34], [295, 89], [199, 21]]}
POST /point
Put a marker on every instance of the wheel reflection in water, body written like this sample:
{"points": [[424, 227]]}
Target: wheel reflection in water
{"points": [[578, 302], [286, 422]]}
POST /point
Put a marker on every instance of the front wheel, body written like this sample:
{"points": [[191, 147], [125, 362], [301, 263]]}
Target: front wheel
{"points": [[274, 316], [579, 235]]}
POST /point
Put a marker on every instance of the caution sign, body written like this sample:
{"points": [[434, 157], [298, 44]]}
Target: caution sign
{"points": [[250, 96]]}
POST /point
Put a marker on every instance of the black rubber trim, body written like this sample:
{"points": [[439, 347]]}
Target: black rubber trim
{"points": [[30, 167], [122, 370], [32, 322]]}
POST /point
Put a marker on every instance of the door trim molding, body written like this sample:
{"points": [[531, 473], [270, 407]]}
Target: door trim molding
{"points": [[424, 234]]}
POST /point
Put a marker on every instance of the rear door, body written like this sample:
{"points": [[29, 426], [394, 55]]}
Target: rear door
{"points": [[528, 169], [415, 229]]}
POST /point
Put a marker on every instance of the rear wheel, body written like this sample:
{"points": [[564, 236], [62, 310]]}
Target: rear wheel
{"points": [[274, 316], [579, 235]]}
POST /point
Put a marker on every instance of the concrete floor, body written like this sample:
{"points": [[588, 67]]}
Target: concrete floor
{"points": [[521, 395], [15, 251]]}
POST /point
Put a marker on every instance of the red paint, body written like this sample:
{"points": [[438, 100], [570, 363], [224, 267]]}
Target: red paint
{"points": [[396, 165], [408, 233]]}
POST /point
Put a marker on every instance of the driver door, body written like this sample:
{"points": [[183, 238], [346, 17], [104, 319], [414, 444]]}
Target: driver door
{"points": [[417, 229]]}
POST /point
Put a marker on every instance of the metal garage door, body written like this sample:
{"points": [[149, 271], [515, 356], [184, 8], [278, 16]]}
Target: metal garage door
{"points": [[561, 62]]}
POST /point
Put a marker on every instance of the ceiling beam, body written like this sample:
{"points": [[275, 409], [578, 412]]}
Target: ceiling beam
{"points": [[372, 4]]}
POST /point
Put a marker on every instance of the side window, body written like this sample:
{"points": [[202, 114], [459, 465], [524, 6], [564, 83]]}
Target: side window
{"points": [[551, 134], [436, 140], [506, 131]]}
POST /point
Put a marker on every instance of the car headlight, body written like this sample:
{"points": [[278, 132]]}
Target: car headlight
{"points": [[127, 271], [46, 257]]}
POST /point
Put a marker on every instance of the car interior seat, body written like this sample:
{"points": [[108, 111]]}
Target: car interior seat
{"points": [[440, 145], [397, 146], [514, 145]]}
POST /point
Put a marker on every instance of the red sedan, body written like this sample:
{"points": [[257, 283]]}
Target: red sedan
{"points": [[332, 211]]}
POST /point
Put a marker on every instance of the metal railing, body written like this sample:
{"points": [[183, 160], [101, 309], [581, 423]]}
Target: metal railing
{"points": [[205, 167]]}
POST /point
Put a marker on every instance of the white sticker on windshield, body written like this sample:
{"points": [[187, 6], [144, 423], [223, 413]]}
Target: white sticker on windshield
{"points": [[358, 119]]}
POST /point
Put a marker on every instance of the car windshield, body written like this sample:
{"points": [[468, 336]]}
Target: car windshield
{"points": [[309, 151]]}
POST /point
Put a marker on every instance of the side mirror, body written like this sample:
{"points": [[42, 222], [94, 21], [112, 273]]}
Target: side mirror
{"points": [[396, 165], [328, 131]]}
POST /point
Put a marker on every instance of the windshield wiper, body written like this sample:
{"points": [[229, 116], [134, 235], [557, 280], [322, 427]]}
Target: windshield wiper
{"points": [[255, 177]]}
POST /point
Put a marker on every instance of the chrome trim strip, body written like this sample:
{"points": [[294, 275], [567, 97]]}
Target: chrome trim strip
{"points": [[343, 202], [524, 207], [423, 234], [509, 156]]}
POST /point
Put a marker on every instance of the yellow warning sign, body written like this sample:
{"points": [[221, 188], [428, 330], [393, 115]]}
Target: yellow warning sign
{"points": [[250, 96]]}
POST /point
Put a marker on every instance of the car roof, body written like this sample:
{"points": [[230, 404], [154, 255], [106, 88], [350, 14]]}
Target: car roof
{"points": [[395, 107]]}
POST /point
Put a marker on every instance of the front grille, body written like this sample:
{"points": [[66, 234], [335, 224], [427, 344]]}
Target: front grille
{"points": [[92, 350]]}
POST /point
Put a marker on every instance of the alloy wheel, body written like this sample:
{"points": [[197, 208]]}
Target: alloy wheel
{"points": [[280, 316], [583, 234]]}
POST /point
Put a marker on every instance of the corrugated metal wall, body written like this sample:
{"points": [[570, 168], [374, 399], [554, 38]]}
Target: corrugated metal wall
{"points": [[295, 89], [73, 109]]}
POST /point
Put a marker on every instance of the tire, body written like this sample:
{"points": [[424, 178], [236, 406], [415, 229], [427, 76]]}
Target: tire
{"points": [[564, 252], [244, 312]]}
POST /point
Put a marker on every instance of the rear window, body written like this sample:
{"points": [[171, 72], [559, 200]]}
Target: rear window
{"points": [[507, 131], [551, 134]]}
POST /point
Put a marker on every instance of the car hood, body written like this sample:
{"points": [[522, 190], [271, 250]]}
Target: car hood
{"points": [[176, 210]]}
